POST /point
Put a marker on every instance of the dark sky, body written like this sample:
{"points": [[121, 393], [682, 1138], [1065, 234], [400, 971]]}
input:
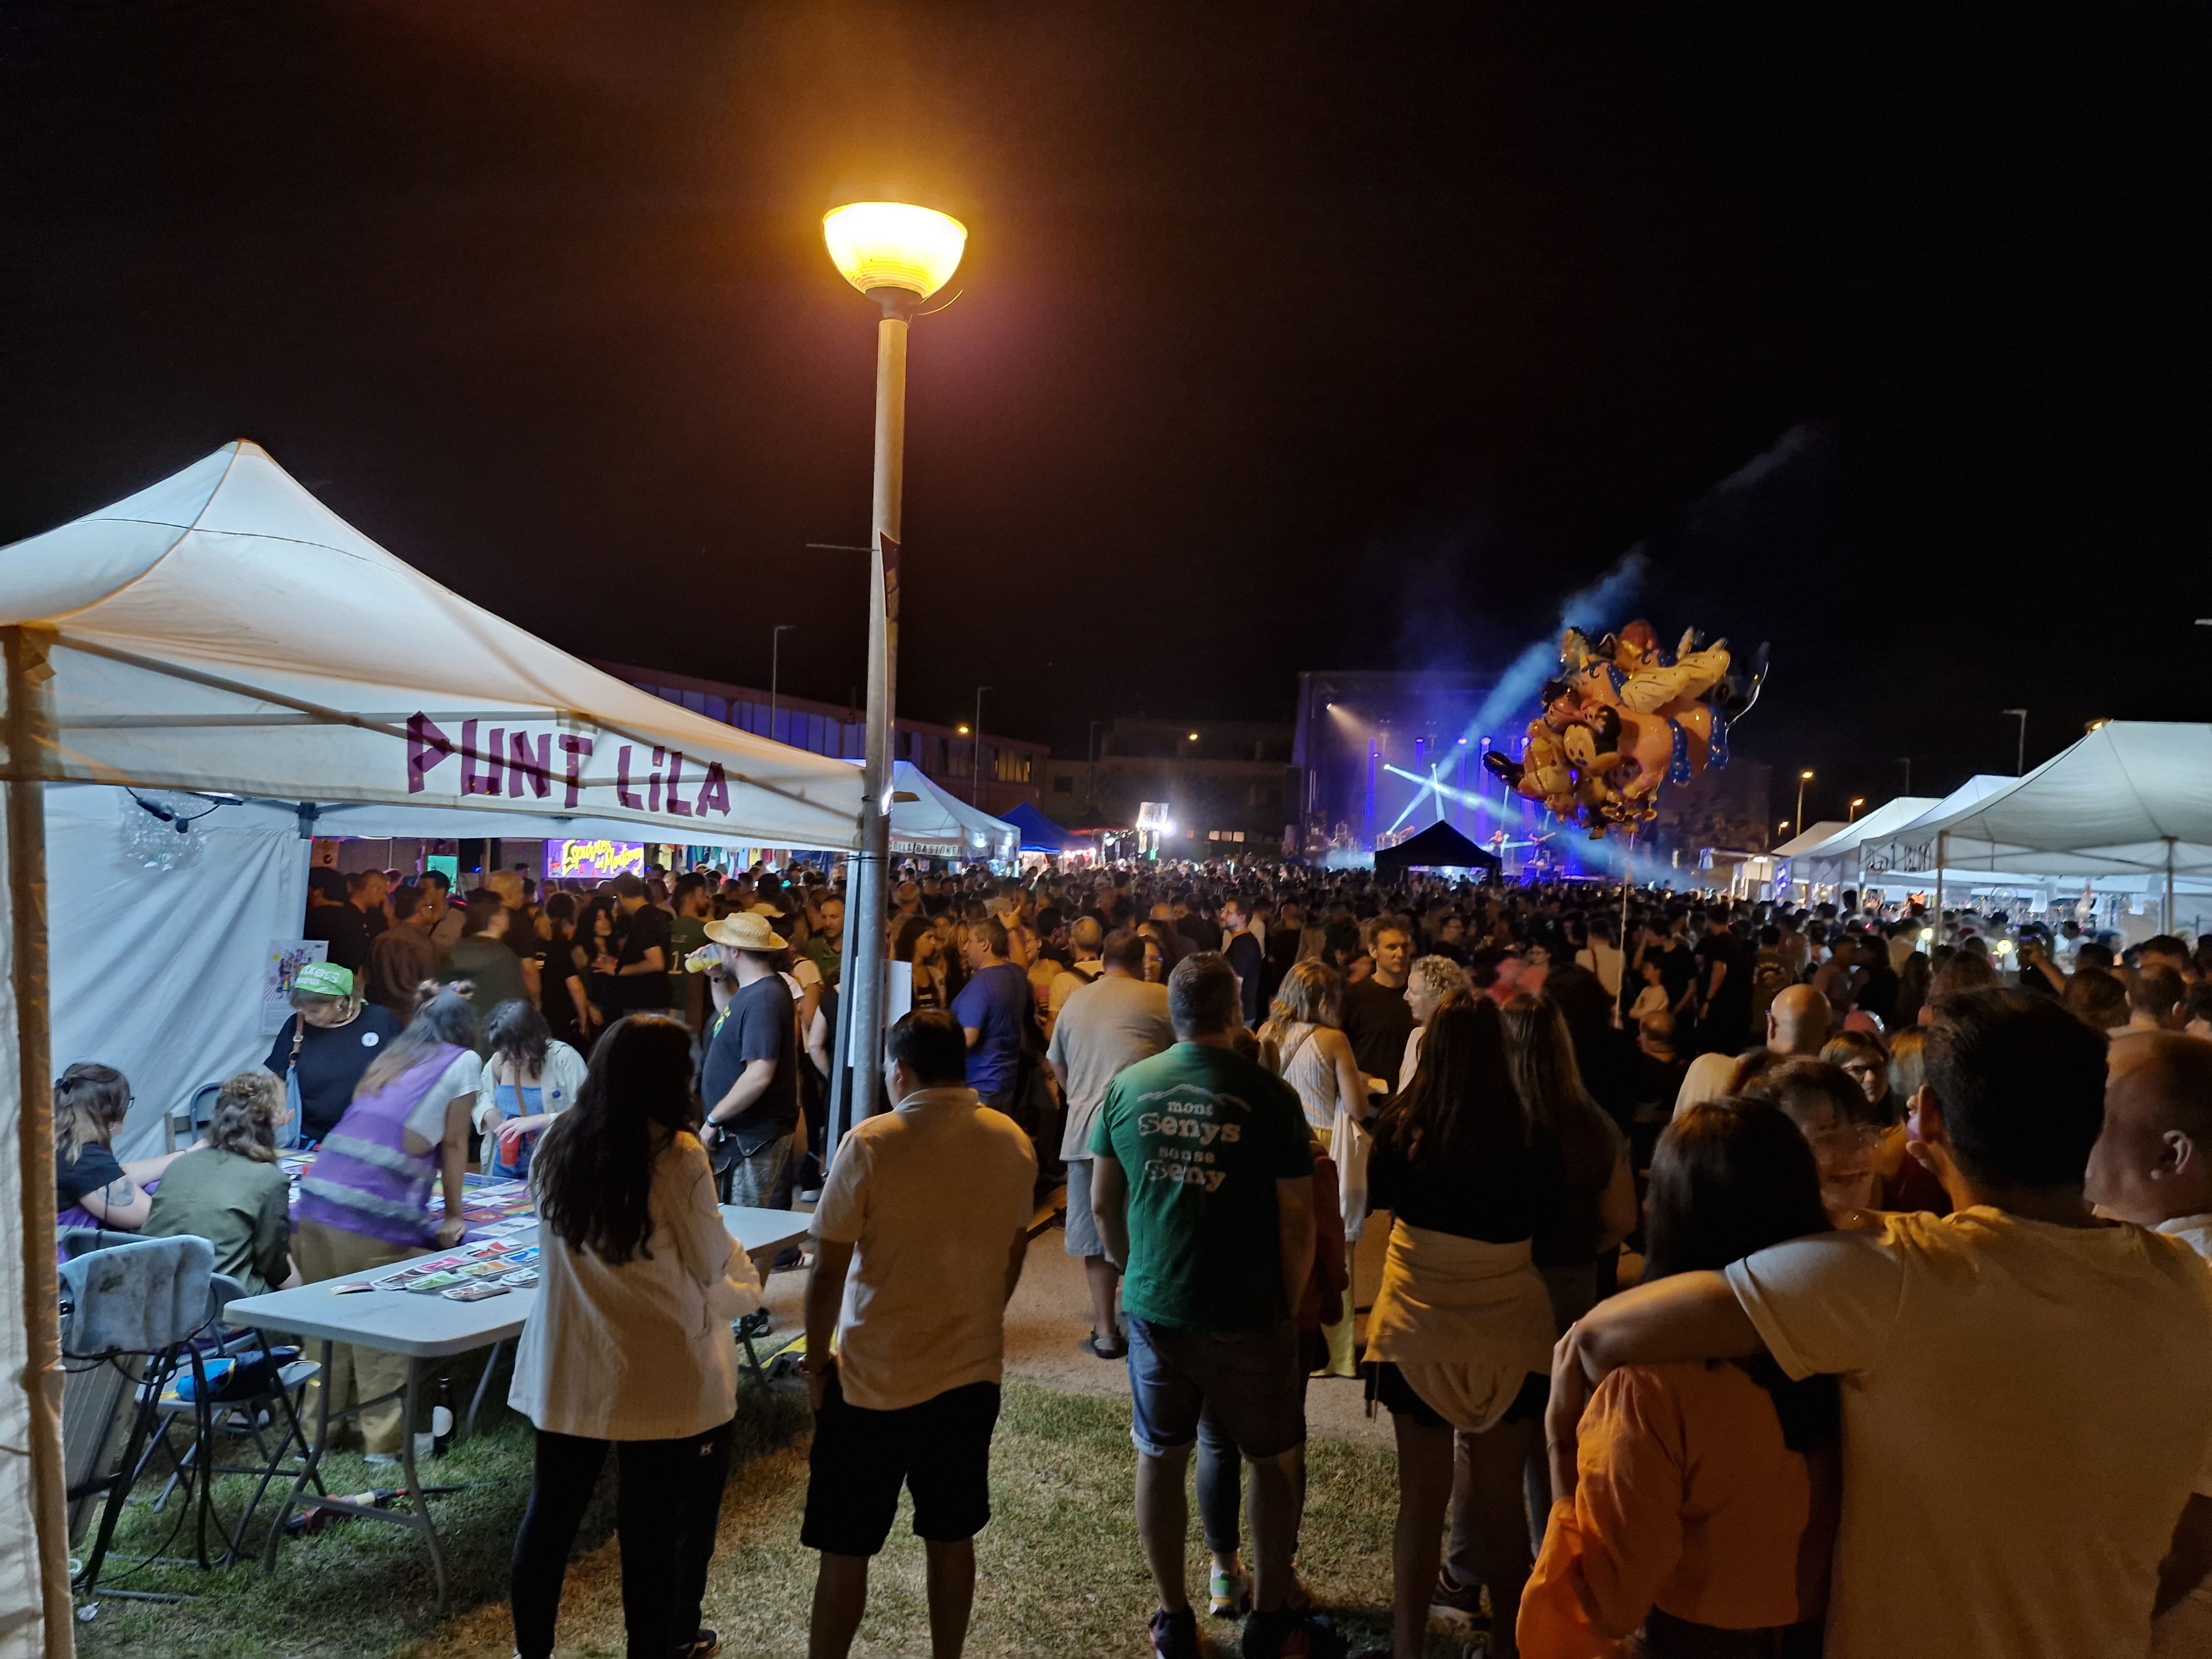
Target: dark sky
{"points": [[1292, 336]]}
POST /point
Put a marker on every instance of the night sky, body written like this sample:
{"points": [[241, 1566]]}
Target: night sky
{"points": [[1289, 337]]}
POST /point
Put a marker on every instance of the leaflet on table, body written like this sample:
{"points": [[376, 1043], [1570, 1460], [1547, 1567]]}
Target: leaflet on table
{"points": [[493, 1261]]}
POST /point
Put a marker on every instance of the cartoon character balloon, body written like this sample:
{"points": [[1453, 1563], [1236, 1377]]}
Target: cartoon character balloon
{"points": [[1624, 718]]}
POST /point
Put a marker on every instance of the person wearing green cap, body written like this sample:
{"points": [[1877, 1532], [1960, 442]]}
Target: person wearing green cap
{"points": [[327, 1044]]}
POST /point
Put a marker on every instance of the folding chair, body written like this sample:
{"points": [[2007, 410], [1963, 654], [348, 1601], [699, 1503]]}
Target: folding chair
{"points": [[132, 1310], [259, 1390]]}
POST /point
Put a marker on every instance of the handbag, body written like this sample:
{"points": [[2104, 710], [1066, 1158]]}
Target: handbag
{"points": [[288, 1136]]}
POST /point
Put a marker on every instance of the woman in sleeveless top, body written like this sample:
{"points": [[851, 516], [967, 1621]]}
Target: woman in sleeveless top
{"points": [[1303, 1044]]}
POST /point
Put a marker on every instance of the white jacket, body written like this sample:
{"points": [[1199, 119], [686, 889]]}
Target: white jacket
{"points": [[558, 1080]]}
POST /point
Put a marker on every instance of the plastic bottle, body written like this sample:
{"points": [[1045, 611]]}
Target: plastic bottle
{"points": [[441, 1418]]}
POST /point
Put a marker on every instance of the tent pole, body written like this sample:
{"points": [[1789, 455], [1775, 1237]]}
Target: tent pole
{"points": [[2168, 926], [30, 732], [1942, 839]]}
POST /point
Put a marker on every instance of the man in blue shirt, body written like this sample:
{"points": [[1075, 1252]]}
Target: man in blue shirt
{"points": [[991, 1008]]}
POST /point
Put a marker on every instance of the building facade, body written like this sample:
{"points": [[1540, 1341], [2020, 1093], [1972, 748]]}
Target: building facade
{"points": [[1003, 776], [1222, 782]]}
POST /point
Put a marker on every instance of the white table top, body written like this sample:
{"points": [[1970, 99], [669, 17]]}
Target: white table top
{"points": [[423, 1327]]}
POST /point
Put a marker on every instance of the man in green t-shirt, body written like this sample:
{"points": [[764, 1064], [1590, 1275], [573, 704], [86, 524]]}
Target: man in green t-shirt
{"points": [[1202, 1190]]}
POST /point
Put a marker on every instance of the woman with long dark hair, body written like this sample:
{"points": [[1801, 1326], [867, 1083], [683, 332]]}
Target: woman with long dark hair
{"points": [[530, 1079], [1695, 1505], [1600, 1207], [629, 1344], [1460, 1335]]}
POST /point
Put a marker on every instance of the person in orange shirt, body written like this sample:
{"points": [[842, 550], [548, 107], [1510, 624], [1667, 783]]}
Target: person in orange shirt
{"points": [[1695, 1505]]}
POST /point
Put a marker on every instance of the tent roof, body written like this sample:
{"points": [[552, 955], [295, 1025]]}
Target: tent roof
{"points": [[1039, 833], [2133, 796], [939, 824], [1437, 847], [1901, 809], [223, 630], [1799, 844]]}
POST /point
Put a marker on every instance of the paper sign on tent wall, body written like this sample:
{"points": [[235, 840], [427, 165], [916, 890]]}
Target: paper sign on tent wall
{"points": [[285, 959]]}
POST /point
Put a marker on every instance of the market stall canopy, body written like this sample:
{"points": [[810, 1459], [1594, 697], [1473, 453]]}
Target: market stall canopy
{"points": [[1832, 857], [2132, 798], [1909, 849], [224, 631], [1040, 833], [1096, 822], [1439, 846], [926, 821], [1796, 846]]}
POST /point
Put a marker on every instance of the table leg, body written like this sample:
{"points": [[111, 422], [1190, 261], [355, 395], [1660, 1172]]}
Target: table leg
{"points": [[483, 1386], [307, 1470], [418, 1505]]}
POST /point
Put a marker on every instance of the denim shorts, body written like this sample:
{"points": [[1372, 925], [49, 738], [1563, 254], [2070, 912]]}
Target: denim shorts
{"points": [[1250, 1382]]}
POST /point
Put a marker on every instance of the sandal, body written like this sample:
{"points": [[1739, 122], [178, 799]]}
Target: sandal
{"points": [[1229, 1594], [1118, 1349]]}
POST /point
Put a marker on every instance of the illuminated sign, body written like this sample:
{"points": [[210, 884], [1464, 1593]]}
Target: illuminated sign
{"points": [[593, 861]]}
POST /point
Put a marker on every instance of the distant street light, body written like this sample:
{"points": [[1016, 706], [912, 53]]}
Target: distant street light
{"points": [[1857, 801], [1803, 778], [898, 256], [2020, 758], [975, 749]]}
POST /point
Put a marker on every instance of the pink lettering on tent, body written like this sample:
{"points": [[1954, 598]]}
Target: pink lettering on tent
{"points": [[622, 781], [578, 750], [426, 746], [715, 791], [676, 805], [652, 783], [485, 782], [522, 764]]}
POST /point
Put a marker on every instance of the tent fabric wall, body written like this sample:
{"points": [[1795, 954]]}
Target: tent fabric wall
{"points": [[158, 972]]}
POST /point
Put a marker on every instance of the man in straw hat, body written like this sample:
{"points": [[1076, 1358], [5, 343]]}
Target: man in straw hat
{"points": [[750, 1082]]}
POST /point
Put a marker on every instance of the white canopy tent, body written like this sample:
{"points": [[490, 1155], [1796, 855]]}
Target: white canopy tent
{"points": [[1796, 846], [1834, 861], [929, 822], [223, 631]]}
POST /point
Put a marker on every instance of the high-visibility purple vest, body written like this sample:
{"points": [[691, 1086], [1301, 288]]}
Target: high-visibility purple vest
{"points": [[364, 1180]]}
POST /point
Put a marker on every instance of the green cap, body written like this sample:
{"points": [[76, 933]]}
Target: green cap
{"points": [[323, 979]]}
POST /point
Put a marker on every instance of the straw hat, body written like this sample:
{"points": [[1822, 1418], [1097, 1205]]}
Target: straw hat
{"points": [[745, 932]]}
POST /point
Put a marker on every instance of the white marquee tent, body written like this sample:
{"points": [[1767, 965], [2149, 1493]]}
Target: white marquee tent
{"points": [[223, 631], [1834, 860], [930, 822]]}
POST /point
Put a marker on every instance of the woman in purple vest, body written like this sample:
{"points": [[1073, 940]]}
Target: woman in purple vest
{"points": [[365, 1202]]}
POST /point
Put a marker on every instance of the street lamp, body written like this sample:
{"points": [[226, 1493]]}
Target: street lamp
{"points": [[1857, 801], [774, 668], [897, 255], [976, 751], [1803, 778], [2020, 757]]}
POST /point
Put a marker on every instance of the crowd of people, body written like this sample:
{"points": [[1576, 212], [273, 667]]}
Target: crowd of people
{"points": [[1757, 1279]]}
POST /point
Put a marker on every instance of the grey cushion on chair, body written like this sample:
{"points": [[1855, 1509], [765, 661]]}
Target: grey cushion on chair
{"points": [[138, 1297]]}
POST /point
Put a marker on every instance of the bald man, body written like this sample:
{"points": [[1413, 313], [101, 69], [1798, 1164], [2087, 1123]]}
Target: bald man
{"points": [[2152, 1166], [1797, 1021], [2152, 1162]]}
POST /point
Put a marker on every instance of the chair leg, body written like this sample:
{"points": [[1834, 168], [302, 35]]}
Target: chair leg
{"points": [[120, 1483]]}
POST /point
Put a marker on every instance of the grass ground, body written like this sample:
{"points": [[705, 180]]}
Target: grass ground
{"points": [[1060, 1569]]}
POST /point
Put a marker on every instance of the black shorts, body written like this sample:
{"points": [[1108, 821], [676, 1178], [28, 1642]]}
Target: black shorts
{"points": [[1387, 1383], [940, 1449]]}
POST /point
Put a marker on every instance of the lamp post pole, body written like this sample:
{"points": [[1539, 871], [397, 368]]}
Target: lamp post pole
{"points": [[1798, 822], [2019, 755], [776, 671], [975, 753], [897, 255]]}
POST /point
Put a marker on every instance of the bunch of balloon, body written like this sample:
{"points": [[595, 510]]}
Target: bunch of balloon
{"points": [[1624, 717]]}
